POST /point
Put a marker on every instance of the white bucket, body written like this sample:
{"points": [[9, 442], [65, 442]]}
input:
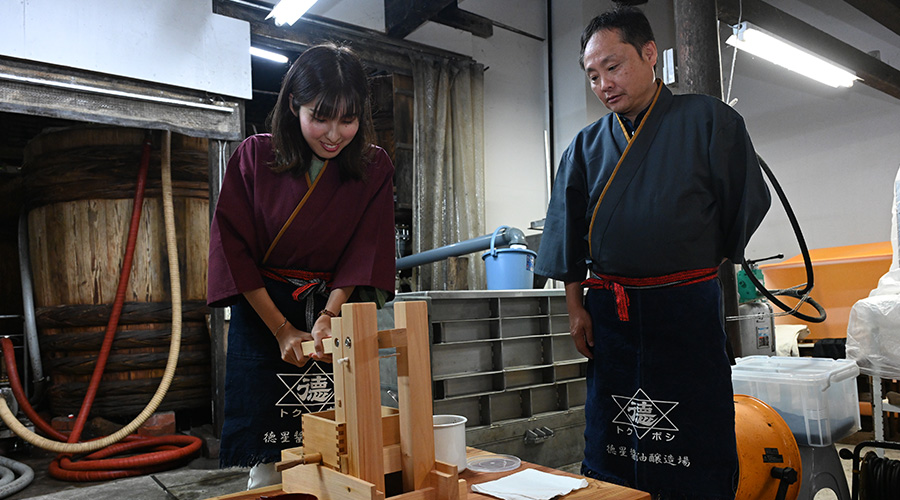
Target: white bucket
{"points": [[450, 440]]}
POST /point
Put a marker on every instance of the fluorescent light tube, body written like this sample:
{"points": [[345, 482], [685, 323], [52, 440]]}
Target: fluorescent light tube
{"points": [[288, 11], [265, 54], [758, 42]]}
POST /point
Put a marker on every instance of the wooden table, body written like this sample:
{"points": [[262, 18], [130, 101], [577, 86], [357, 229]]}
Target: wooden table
{"points": [[596, 490]]}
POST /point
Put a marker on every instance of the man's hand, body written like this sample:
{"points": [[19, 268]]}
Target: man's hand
{"points": [[582, 331], [581, 328]]}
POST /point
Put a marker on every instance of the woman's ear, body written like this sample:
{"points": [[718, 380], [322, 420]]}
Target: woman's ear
{"points": [[291, 104]]}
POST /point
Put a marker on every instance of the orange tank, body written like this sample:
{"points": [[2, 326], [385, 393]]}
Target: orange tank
{"points": [[764, 443], [842, 275]]}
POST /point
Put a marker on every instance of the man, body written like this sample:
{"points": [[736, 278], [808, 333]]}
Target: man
{"points": [[651, 199]]}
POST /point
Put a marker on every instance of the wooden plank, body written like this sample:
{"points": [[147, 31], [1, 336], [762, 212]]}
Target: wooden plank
{"points": [[390, 429], [338, 356], [306, 458], [447, 485], [362, 393], [309, 346], [423, 494], [325, 483], [392, 338], [392, 458], [253, 494], [595, 489], [414, 393], [321, 434]]}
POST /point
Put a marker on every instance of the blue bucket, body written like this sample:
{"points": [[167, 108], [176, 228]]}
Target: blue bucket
{"points": [[508, 268]]}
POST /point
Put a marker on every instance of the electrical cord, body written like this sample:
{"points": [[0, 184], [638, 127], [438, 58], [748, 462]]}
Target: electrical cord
{"points": [[801, 295], [879, 477]]}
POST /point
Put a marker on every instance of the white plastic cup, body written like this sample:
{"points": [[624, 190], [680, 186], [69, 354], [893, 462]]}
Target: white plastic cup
{"points": [[450, 440]]}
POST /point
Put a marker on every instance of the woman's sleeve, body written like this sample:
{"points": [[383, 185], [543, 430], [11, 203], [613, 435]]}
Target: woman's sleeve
{"points": [[233, 251], [368, 259]]}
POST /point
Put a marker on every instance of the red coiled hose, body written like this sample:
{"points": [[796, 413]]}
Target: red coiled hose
{"points": [[167, 451]]}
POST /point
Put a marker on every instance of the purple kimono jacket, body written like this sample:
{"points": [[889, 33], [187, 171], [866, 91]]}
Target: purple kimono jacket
{"points": [[343, 228]]}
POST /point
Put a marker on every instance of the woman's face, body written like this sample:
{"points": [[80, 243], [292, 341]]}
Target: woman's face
{"points": [[326, 136]]}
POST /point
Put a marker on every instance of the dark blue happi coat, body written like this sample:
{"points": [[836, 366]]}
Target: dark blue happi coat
{"points": [[265, 396], [682, 193]]}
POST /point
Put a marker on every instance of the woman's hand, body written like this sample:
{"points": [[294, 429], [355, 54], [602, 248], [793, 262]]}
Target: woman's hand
{"points": [[290, 342], [321, 331]]}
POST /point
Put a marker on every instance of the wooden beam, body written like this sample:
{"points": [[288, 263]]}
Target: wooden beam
{"points": [[873, 72], [402, 17], [452, 16], [886, 12], [40, 89]]}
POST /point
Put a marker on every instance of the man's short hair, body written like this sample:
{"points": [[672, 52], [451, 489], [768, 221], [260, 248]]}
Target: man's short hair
{"points": [[633, 26]]}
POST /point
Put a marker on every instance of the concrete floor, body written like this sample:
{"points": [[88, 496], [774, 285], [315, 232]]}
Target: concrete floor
{"points": [[198, 480], [202, 479]]}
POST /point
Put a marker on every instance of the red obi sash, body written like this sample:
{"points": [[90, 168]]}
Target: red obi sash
{"points": [[619, 284], [306, 281]]}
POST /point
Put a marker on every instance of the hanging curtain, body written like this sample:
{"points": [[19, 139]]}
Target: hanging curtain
{"points": [[448, 174]]}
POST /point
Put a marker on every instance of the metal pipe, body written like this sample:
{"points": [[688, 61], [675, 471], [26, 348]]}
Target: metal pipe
{"points": [[31, 333], [508, 236]]}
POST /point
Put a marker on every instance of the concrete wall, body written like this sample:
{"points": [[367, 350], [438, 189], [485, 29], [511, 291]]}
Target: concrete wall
{"points": [[835, 152], [515, 105], [174, 42]]}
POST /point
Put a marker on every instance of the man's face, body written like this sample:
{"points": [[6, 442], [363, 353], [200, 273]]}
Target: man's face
{"points": [[620, 76]]}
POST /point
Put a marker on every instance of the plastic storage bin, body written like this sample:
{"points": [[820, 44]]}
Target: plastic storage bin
{"points": [[816, 397]]}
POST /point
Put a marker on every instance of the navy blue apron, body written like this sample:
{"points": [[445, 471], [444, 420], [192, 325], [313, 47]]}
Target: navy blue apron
{"points": [[660, 410], [265, 396]]}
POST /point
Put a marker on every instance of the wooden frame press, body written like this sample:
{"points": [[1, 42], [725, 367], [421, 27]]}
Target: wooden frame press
{"points": [[347, 451]]}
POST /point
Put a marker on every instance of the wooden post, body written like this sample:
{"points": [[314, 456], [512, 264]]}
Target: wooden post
{"points": [[362, 393], [414, 393]]}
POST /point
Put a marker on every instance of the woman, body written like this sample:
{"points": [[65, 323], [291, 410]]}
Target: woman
{"points": [[304, 219]]}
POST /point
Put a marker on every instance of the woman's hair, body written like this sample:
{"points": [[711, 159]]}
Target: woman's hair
{"points": [[634, 28], [331, 78]]}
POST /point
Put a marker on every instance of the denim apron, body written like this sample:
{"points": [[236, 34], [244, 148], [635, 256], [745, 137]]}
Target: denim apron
{"points": [[265, 396], [659, 409]]}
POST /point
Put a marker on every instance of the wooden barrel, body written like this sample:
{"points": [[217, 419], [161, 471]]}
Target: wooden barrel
{"points": [[79, 185]]}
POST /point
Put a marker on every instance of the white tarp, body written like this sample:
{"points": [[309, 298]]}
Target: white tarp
{"points": [[873, 330]]}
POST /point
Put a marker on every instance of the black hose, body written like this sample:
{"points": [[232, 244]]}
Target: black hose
{"points": [[803, 294], [879, 477]]}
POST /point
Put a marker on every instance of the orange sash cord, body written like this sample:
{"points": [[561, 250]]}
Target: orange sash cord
{"points": [[290, 220]]}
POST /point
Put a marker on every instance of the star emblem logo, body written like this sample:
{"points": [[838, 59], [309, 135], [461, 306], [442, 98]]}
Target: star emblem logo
{"points": [[312, 390], [644, 414]]}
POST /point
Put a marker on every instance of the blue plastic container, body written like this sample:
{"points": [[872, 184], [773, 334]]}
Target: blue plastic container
{"points": [[508, 268]]}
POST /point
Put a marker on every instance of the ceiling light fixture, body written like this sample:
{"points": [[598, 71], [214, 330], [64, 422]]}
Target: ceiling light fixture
{"points": [[265, 54], [288, 11], [752, 39]]}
